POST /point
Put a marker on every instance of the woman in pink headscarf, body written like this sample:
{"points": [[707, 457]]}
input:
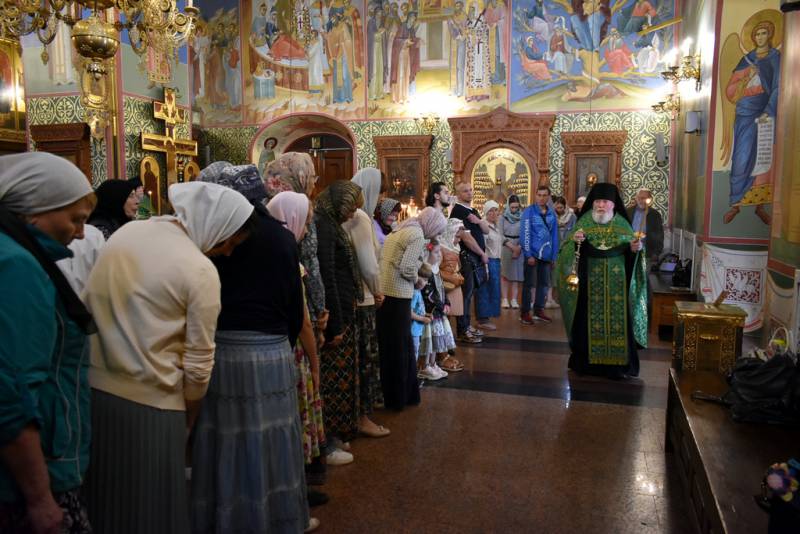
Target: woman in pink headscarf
{"points": [[401, 259], [294, 210]]}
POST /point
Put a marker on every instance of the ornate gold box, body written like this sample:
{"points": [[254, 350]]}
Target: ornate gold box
{"points": [[707, 337]]}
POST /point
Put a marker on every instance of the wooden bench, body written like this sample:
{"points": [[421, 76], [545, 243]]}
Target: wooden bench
{"points": [[664, 298], [721, 462]]}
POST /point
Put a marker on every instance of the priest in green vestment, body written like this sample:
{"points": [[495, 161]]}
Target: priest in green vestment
{"points": [[606, 315]]}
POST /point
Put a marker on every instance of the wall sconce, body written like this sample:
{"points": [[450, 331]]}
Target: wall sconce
{"points": [[690, 70], [671, 105], [427, 122]]}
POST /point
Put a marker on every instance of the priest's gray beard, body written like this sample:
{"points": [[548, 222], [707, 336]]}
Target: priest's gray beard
{"points": [[602, 218]]}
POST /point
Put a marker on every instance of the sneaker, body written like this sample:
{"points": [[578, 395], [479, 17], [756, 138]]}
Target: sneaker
{"points": [[475, 331], [469, 338], [428, 374], [539, 315], [441, 372], [487, 326], [313, 524], [526, 318], [551, 304], [505, 304], [514, 304], [339, 457]]}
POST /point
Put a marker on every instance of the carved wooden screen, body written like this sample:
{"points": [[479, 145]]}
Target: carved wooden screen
{"points": [[70, 141]]}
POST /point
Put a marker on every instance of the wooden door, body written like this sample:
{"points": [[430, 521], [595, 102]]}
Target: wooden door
{"points": [[333, 165]]}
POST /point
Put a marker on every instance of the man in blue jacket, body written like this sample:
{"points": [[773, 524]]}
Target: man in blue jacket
{"points": [[539, 240]]}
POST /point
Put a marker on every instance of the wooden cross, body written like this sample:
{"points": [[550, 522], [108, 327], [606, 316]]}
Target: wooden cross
{"points": [[171, 114]]}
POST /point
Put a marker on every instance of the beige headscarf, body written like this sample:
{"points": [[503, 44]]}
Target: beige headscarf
{"points": [[36, 182], [447, 239], [292, 171], [210, 213], [430, 220]]}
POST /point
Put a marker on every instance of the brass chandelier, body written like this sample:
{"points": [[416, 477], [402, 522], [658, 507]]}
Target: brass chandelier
{"points": [[155, 24]]}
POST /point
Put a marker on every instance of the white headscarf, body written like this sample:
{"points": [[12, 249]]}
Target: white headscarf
{"points": [[447, 240], [36, 182], [489, 205], [369, 179], [210, 213]]}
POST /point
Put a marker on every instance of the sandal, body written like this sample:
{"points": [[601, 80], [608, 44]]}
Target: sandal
{"points": [[381, 432], [451, 365]]}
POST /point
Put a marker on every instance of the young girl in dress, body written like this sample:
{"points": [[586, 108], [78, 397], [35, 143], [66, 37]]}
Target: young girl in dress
{"points": [[437, 338]]}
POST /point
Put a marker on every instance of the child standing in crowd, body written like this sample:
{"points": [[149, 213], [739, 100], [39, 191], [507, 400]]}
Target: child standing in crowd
{"points": [[437, 338], [419, 320]]}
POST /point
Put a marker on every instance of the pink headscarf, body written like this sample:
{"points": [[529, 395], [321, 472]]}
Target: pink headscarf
{"points": [[292, 209], [430, 220]]}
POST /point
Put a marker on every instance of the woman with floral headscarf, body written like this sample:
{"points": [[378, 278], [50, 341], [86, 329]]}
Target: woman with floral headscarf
{"points": [[384, 217], [342, 278], [401, 259], [294, 171]]}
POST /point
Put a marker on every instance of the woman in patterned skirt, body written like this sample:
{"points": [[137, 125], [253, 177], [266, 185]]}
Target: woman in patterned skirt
{"points": [[342, 278], [362, 235]]}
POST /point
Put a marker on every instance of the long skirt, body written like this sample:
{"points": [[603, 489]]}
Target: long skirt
{"points": [[310, 405], [340, 386], [369, 365], [247, 461], [136, 480], [396, 350], [488, 295]]}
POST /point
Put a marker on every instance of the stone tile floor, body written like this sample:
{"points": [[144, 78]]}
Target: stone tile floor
{"points": [[516, 443]]}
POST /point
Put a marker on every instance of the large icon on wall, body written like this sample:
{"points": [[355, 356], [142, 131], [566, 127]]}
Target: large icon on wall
{"points": [[749, 83], [567, 53], [498, 174]]}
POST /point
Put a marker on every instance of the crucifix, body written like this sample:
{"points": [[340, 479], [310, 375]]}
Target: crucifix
{"points": [[171, 114]]}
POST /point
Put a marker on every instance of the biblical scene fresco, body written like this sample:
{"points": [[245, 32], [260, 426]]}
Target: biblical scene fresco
{"points": [[303, 56], [216, 62], [442, 56], [747, 96], [568, 53], [498, 174]]}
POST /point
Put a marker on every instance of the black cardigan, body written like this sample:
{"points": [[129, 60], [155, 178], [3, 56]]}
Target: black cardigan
{"points": [[337, 275], [261, 286]]}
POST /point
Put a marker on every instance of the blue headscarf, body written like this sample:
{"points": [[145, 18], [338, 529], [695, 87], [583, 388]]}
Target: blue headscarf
{"points": [[512, 218]]}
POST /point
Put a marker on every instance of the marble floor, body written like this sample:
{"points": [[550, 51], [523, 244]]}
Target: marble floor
{"points": [[516, 443]]}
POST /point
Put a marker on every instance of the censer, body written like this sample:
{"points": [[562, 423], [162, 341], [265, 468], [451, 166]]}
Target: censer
{"points": [[572, 279]]}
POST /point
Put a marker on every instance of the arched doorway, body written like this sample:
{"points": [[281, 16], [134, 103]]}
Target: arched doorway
{"points": [[499, 173], [329, 141]]}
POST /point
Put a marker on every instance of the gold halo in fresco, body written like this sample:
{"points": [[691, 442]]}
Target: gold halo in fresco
{"points": [[771, 15]]}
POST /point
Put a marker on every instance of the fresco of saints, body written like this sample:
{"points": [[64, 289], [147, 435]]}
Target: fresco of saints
{"points": [[232, 64], [532, 59], [405, 59], [340, 45], [479, 83], [376, 47], [318, 65], [353, 19], [392, 22], [495, 15], [258, 34], [457, 25], [753, 89]]}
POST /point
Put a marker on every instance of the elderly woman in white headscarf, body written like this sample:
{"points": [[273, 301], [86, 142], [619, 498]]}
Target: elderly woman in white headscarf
{"points": [[44, 202], [155, 297], [401, 259], [367, 249], [487, 300]]}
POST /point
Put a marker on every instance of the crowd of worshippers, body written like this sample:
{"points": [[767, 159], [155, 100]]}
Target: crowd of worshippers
{"points": [[200, 371]]}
